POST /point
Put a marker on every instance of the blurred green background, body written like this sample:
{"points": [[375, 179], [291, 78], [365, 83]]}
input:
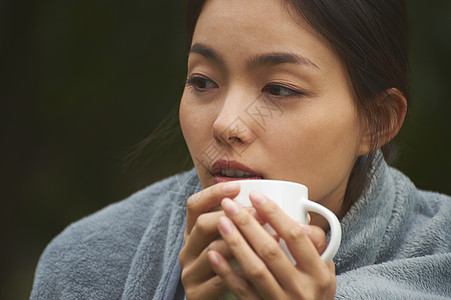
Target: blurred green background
{"points": [[82, 82]]}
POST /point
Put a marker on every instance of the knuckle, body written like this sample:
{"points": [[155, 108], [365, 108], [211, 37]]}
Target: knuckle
{"points": [[217, 282], [324, 284], [202, 224], [309, 295], [327, 279], [192, 293], [270, 251], [184, 277], [182, 258], [295, 233], [242, 219], [234, 243], [257, 272], [192, 201], [241, 291]]}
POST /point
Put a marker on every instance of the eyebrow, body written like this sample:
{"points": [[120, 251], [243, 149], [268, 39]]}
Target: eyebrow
{"points": [[206, 52], [269, 59], [277, 58]]}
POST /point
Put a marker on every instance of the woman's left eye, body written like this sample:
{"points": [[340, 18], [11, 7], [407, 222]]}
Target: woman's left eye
{"points": [[279, 90]]}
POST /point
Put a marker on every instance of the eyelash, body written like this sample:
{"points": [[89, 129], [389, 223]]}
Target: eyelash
{"points": [[292, 92], [196, 81]]}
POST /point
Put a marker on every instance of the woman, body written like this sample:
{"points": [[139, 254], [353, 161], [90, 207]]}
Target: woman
{"points": [[304, 91]]}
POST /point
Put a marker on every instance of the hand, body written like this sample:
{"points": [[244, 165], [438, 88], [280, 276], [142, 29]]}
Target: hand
{"points": [[201, 235], [267, 271]]}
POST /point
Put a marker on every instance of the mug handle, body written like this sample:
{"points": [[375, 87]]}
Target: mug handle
{"points": [[335, 229]]}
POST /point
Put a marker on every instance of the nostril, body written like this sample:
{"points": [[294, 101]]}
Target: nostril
{"points": [[235, 139]]}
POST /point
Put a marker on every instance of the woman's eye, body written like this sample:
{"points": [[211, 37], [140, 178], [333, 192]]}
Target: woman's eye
{"points": [[201, 84], [278, 90]]}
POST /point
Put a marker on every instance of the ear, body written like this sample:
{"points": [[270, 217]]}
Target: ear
{"points": [[388, 114]]}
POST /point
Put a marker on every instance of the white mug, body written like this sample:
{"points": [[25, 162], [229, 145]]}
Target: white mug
{"points": [[293, 199]]}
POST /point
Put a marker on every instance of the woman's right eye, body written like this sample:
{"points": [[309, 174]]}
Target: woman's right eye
{"points": [[201, 84]]}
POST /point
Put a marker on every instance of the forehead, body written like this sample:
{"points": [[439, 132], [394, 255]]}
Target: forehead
{"points": [[252, 9], [245, 15], [249, 27]]}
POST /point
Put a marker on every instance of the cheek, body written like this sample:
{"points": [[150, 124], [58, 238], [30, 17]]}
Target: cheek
{"points": [[196, 129], [318, 131], [188, 122], [194, 123], [337, 143], [319, 150]]}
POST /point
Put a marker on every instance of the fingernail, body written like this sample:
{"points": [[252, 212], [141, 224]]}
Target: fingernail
{"points": [[230, 207], [257, 198], [225, 226], [213, 258], [306, 227], [230, 187]]}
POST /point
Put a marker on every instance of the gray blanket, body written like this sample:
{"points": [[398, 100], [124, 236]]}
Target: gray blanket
{"points": [[396, 245]]}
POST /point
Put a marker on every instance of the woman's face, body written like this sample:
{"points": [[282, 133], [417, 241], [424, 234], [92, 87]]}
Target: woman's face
{"points": [[266, 97]]}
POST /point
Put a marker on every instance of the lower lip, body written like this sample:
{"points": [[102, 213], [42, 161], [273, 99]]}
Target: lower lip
{"points": [[218, 178]]}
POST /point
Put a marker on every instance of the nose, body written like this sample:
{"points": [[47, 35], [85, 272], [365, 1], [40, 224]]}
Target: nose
{"points": [[232, 125]]}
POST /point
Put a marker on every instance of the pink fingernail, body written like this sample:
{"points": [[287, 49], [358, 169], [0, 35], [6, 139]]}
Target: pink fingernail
{"points": [[213, 258], [230, 207], [225, 226], [258, 198]]}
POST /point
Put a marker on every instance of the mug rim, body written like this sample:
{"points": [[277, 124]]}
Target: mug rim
{"points": [[273, 181]]}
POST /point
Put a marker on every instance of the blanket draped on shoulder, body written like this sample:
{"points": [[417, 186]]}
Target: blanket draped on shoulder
{"points": [[396, 244]]}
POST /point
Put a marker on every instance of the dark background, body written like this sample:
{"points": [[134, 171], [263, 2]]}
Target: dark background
{"points": [[82, 82]]}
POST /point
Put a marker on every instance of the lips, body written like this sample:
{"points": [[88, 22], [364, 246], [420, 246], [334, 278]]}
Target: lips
{"points": [[224, 171]]}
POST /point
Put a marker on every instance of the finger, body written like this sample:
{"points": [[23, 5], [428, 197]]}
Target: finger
{"points": [[235, 283], [331, 266], [295, 236], [206, 199], [333, 279], [257, 217], [317, 236], [261, 221], [266, 246], [253, 267], [200, 270], [204, 231], [212, 289]]}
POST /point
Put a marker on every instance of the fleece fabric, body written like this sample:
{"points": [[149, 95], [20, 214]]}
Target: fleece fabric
{"points": [[396, 244]]}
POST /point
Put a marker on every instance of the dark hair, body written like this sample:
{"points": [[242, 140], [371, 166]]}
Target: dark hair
{"points": [[371, 37]]}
